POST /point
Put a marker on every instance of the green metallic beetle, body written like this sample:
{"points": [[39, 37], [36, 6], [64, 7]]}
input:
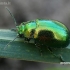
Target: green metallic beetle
{"points": [[48, 33]]}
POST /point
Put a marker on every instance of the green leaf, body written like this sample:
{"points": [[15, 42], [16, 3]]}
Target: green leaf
{"points": [[19, 49]]}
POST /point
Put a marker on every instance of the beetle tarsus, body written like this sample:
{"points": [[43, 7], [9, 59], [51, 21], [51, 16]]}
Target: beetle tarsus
{"points": [[61, 58], [13, 29], [27, 39]]}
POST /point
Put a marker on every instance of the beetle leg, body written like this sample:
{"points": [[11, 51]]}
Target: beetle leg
{"points": [[60, 56], [39, 47]]}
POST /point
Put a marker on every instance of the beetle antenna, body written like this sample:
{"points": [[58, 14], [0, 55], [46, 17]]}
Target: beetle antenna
{"points": [[12, 15], [10, 42]]}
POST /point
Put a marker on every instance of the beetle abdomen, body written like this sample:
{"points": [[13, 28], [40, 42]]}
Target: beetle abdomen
{"points": [[46, 38]]}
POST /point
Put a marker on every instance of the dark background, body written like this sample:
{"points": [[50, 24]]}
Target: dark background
{"points": [[26, 10]]}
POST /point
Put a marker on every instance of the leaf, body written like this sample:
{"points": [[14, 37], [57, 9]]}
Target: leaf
{"points": [[19, 49]]}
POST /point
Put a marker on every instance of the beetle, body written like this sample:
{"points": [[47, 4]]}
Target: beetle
{"points": [[48, 33]]}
